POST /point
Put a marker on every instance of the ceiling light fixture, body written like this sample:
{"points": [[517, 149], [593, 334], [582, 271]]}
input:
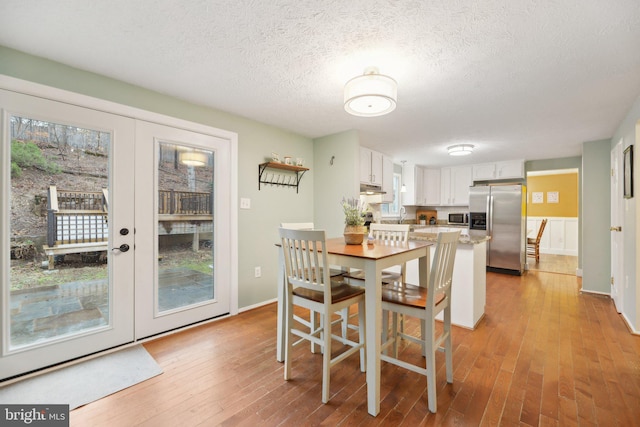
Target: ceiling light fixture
{"points": [[371, 94], [193, 158], [460, 149]]}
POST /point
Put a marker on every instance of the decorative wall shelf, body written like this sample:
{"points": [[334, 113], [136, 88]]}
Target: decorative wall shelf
{"points": [[279, 178]]}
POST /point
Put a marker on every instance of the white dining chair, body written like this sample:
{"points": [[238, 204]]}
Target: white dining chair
{"points": [[424, 304], [333, 272], [309, 285]]}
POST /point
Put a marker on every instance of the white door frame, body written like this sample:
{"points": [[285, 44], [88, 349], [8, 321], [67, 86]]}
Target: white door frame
{"points": [[617, 220]]}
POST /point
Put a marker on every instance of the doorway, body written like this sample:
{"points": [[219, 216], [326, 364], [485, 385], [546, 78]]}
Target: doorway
{"points": [[554, 195], [87, 262]]}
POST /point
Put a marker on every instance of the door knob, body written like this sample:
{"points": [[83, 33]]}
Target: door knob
{"points": [[618, 228], [122, 248]]}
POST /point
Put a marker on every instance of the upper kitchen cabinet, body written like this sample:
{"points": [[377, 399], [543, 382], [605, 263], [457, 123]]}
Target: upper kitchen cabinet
{"points": [[513, 169], [454, 185], [370, 167], [431, 186]]}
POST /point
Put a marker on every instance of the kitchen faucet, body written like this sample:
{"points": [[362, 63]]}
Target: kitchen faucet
{"points": [[403, 215]]}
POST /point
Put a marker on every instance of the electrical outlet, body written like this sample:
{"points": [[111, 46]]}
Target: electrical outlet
{"points": [[245, 203], [258, 272]]}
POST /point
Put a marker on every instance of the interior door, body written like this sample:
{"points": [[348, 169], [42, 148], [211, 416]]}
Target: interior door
{"points": [[183, 233], [66, 207], [617, 212]]}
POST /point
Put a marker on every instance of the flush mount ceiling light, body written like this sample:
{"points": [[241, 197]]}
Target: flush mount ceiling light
{"points": [[193, 158], [460, 149], [371, 94]]}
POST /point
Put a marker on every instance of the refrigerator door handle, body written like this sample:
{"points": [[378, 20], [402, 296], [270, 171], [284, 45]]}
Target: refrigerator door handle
{"points": [[489, 215]]}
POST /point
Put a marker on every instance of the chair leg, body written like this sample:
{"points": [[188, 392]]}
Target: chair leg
{"points": [[288, 344], [447, 345], [394, 333], [362, 329], [326, 358], [345, 321], [313, 319], [430, 358]]}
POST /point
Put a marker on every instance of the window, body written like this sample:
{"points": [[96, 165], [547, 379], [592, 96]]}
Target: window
{"points": [[393, 208]]}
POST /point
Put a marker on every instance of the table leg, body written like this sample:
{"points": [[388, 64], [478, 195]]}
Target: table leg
{"points": [[373, 306], [280, 338]]}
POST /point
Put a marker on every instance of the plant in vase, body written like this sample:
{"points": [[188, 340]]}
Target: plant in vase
{"points": [[423, 219], [354, 230]]}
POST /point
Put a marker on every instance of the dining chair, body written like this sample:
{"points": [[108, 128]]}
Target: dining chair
{"points": [[309, 285], [533, 245], [334, 272], [424, 304]]}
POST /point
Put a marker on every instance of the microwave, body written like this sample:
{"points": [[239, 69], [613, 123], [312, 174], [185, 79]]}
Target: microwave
{"points": [[458, 218]]}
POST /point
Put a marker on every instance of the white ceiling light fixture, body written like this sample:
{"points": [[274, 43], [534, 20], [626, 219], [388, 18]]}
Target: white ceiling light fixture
{"points": [[371, 94], [193, 158], [460, 149]]}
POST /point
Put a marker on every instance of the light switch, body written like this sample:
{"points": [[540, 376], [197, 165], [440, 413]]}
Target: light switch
{"points": [[245, 203]]}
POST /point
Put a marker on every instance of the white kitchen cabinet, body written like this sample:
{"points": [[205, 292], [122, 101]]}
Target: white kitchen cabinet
{"points": [[387, 179], [370, 167], [513, 169], [454, 185], [431, 187], [408, 198]]}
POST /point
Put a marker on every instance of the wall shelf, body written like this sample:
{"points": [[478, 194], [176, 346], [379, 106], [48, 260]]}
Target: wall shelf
{"points": [[278, 178]]}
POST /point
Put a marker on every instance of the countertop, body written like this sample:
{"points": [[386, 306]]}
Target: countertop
{"points": [[433, 237]]}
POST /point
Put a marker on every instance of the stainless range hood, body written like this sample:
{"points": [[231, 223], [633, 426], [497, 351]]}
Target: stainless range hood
{"points": [[371, 189]]}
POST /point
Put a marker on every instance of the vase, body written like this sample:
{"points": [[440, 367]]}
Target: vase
{"points": [[354, 234]]}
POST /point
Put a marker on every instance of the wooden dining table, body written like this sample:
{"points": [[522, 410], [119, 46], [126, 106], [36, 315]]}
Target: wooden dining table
{"points": [[371, 259]]}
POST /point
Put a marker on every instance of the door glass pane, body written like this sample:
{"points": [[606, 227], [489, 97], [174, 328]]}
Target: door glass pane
{"points": [[58, 278], [185, 226]]}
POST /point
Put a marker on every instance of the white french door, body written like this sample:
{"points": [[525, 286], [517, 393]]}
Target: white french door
{"points": [[183, 255], [113, 228], [617, 218], [84, 304]]}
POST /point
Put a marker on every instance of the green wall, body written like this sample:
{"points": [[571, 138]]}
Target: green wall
{"points": [[596, 237], [257, 227]]}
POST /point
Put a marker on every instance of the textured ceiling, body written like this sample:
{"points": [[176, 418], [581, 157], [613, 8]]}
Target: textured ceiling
{"points": [[525, 79]]}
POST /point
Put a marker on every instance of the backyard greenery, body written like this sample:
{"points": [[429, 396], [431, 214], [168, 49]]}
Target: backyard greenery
{"points": [[28, 155]]}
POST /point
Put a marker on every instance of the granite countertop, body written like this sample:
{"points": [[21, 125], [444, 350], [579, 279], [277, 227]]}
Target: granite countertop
{"points": [[433, 237]]}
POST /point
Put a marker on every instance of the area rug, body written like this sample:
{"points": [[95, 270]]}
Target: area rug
{"points": [[85, 382]]}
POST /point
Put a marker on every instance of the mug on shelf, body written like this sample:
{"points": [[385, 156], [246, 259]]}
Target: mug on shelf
{"points": [[287, 160], [275, 157], [299, 161]]}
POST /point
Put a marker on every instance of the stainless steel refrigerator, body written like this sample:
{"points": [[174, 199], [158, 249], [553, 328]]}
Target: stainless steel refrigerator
{"points": [[499, 211]]}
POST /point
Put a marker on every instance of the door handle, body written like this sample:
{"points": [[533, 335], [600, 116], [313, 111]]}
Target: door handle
{"points": [[122, 248], [618, 228]]}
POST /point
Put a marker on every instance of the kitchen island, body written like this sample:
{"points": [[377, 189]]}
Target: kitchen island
{"points": [[468, 291]]}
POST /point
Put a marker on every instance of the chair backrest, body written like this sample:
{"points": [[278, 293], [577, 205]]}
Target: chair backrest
{"points": [[297, 225], [442, 267], [305, 253], [541, 230], [390, 232]]}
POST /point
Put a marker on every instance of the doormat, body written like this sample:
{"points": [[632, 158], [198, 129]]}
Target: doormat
{"points": [[85, 382]]}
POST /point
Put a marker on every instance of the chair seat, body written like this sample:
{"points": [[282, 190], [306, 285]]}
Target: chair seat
{"points": [[408, 295], [340, 291]]}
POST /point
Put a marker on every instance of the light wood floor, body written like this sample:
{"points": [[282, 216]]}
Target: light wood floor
{"points": [[550, 263], [544, 354]]}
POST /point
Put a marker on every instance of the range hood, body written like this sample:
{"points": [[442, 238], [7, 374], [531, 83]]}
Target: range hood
{"points": [[371, 189]]}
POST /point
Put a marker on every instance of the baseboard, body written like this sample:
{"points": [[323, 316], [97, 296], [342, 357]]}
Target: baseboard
{"points": [[603, 294], [629, 325], [260, 304]]}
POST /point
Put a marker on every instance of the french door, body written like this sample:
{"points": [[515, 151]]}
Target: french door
{"points": [[66, 203], [114, 229]]}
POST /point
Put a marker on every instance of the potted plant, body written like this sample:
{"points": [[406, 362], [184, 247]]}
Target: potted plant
{"points": [[354, 230], [423, 219]]}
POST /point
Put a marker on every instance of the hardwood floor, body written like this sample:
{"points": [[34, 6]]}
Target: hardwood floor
{"points": [[544, 354], [550, 263]]}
